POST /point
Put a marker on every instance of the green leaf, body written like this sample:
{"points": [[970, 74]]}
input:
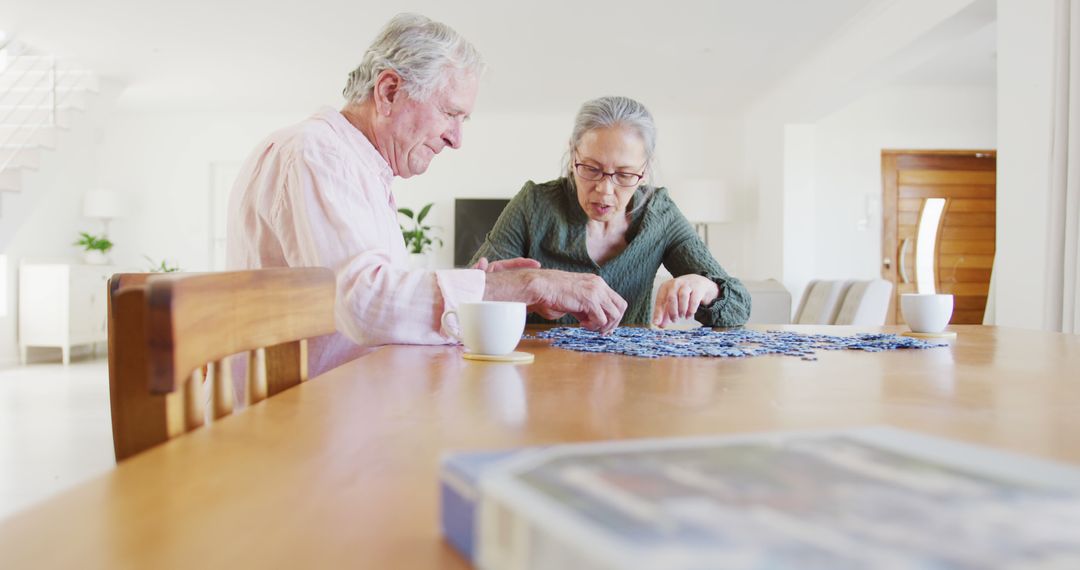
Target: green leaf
{"points": [[417, 238], [424, 212], [162, 267], [90, 242]]}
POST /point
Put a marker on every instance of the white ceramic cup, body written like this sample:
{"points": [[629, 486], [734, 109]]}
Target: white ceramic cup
{"points": [[926, 313], [487, 327]]}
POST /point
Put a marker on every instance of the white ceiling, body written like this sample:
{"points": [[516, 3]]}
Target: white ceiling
{"points": [[971, 60], [700, 55]]}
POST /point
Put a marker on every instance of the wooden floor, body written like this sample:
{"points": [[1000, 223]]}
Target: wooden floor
{"points": [[54, 429]]}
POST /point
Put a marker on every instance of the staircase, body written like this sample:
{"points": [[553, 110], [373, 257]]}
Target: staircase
{"points": [[38, 94]]}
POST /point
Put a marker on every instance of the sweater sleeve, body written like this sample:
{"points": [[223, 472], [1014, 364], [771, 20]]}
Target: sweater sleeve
{"points": [[509, 238], [686, 254]]}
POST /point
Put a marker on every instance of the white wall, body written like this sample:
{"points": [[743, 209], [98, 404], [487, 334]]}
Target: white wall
{"points": [[849, 142], [162, 163], [1025, 73], [801, 215]]}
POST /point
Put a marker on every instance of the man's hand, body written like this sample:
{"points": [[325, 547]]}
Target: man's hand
{"points": [[552, 294], [679, 298], [506, 264], [585, 296]]}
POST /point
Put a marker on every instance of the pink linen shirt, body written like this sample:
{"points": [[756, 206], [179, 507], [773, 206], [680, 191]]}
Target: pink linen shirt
{"points": [[318, 194]]}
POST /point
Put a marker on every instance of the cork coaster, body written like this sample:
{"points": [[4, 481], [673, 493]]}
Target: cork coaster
{"points": [[512, 357], [942, 334]]}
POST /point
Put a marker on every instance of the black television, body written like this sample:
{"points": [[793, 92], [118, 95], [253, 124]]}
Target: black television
{"points": [[473, 219]]}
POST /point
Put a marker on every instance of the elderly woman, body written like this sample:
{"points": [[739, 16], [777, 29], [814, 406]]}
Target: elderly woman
{"points": [[600, 218]]}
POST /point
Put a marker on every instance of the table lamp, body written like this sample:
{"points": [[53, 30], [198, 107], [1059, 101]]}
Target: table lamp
{"points": [[103, 204], [704, 201]]}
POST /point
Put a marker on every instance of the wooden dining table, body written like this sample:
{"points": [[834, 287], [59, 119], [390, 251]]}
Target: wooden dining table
{"points": [[343, 470]]}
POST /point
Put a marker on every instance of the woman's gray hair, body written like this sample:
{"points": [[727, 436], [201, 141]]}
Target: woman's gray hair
{"points": [[418, 49], [607, 112]]}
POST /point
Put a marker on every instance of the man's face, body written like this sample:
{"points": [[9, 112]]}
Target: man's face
{"points": [[422, 129]]}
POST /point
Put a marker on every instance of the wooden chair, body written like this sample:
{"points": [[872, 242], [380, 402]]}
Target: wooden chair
{"points": [[165, 328]]}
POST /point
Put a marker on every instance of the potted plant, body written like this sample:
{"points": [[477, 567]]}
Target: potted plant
{"points": [[418, 238], [162, 267], [96, 248]]}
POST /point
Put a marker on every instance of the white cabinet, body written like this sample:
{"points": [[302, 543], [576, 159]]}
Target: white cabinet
{"points": [[62, 305], [770, 302]]}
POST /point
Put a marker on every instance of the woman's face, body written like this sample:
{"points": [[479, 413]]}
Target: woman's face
{"points": [[601, 153]]}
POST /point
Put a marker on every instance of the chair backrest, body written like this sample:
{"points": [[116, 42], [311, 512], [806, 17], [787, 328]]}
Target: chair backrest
{"points": [[866, 303], [821, 302], [165, 329]]}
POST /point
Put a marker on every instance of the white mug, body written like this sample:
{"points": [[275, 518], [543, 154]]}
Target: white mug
{"points": [[487, 327], [926, 313]]}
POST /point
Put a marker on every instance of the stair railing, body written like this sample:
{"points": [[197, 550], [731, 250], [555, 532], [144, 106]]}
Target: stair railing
{"points": [[49, 88]]}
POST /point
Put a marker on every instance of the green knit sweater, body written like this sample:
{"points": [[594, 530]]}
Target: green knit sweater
{"points": [[545, 222]]}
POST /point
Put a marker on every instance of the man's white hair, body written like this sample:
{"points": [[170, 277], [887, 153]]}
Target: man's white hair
{"points": [[418, 49]]}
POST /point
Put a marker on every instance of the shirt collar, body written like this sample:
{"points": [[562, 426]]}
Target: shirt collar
{"points": [[363, 146]]}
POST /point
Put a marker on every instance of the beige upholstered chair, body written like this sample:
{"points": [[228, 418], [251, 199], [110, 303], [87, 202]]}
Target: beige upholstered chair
{"points": [[866, 303], [821, 302], [845, 302]]}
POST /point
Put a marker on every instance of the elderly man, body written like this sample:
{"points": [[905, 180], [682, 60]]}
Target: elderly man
{"points": [[318, 194]]}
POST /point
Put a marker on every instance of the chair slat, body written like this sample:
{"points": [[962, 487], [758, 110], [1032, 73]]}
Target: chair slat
{"points": [[175, 412], [194, 410], [256, 376], [223, 389], [286, 366]]}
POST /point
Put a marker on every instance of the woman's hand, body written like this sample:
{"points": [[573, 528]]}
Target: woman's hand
{"points": [[679, 298], [506, 264]]}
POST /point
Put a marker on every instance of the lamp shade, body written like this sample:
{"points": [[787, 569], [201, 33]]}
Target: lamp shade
{"points": [[102, 204], [704, 200]]}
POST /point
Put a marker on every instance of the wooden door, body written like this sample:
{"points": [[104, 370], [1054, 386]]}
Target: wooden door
{"points": [[946, 199]]}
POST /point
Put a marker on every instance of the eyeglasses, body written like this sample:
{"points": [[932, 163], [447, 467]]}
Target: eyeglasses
{"points": [[594, 174]]}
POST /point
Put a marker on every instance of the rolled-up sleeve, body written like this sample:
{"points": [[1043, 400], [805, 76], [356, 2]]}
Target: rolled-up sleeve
{"points": [[686, 254], [330, 216]]}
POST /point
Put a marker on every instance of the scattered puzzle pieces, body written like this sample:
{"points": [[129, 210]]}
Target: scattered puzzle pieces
{"points": [[736, 343]]}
